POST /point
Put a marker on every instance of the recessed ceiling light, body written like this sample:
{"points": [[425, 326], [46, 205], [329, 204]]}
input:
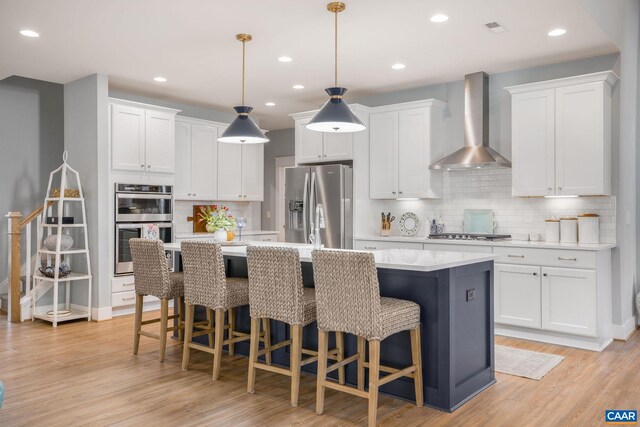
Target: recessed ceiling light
{"points": [[29, 33], [557, 32], [398, 66], [439, 18], [285, 59], [298, 87], [270, 104], [160, 79]]}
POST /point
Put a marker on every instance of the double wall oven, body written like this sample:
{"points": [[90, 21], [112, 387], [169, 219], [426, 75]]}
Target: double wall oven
{"points": [[140, 208]]}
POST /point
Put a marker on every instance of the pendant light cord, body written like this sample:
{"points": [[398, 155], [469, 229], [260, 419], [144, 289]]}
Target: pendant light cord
{"points": [[336, 49], [243, 60]]}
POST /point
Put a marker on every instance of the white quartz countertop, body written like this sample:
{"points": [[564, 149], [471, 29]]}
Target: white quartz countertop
{"points": [[503, 243], [201, 235], [397, 259]]}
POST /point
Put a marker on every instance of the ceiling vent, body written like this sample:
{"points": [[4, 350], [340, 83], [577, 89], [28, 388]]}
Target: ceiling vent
{"points": [[495, 27]]}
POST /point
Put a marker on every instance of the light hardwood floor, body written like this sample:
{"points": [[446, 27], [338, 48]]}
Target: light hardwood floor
{"points": [[84, 374]]}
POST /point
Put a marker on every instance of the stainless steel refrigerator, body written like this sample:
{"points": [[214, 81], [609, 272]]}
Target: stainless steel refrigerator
{"points": [[331, 185]]}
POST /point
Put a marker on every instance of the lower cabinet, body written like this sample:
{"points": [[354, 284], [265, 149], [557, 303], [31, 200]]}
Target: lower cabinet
{"points": [[517, 295], [569, 301], [547, 298]]}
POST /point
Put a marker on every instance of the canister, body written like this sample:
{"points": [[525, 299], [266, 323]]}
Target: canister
{"points": [[552, 230], [569, 230], [589, 228]]}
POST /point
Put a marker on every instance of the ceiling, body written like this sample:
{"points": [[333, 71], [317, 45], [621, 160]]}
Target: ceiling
{"points": [[192, 43]]}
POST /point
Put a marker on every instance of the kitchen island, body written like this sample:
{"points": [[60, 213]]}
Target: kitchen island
{"points": [[455, 294]]}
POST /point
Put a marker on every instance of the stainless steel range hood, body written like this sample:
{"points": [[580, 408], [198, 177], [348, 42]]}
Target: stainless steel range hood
{"points": [[476, 153]]}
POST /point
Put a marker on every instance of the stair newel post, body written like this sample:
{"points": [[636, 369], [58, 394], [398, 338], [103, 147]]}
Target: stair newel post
{"points": [[15, 218]]}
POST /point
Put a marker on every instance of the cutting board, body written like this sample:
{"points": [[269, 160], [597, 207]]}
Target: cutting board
{"points": [[198, 227]]}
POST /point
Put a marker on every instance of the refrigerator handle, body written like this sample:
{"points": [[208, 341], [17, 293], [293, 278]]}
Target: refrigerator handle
{"points": [[305, 207], [312, 204]]}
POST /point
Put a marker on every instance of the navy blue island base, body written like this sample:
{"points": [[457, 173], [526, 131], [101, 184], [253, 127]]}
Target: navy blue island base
{"points": [[456, 310]]}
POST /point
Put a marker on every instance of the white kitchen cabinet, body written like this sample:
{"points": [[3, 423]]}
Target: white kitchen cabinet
{"points": [[517, 295], [240, 172], [383, 155], [196, 156], [569, 301], [127, 138], [319, 147], [561, 136], [253, 172], [403, 140], [533, 149], [142, 137]]}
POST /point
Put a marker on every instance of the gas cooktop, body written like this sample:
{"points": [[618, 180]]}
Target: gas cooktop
{"points": [[467, 236]]}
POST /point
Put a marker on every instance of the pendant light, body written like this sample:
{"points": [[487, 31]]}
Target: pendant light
{"points": [[243, 130], [335, 115]]}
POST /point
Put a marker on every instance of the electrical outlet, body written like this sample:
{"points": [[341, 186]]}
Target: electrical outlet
{"points": [[471, 294], [268, 214]]}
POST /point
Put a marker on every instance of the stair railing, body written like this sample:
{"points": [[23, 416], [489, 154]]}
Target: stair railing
{"points": [[16, 225]]}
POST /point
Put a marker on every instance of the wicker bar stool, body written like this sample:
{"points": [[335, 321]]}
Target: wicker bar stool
{"points": [[348, 300], [206, 284], [276, 292], [152, 277]]}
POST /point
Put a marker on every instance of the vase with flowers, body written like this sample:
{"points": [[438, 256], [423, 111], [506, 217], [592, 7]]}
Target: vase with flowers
{"points": [[218, 221]]}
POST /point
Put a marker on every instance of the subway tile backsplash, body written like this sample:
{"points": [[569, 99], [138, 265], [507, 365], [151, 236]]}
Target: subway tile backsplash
{"points": [[184, 209], [491, 189]]}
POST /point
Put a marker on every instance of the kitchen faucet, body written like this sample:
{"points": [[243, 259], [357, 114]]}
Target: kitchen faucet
{"points": [[315, 239]]}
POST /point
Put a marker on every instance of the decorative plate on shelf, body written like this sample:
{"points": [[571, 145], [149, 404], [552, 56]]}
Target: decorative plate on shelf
{"points": [[409, 224]]}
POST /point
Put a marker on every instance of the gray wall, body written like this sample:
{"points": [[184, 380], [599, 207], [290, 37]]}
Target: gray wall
{"points": [[187, 110], [281, 144], [620, 21], [86, 132], [32, 141]]}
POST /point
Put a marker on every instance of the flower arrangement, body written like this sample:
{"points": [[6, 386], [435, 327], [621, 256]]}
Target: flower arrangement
{"points": [[217, 218]]}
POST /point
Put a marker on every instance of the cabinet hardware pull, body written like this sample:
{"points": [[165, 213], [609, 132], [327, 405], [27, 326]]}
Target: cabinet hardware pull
{"points": [[128, 284], [566, 259], [544, 274], [549, 188], [515, 256], [400, 192], [319, 156], [369, 247], [535, 274], [559, 188], [141, 166], [148, 166], [393, 192], [127, 299]]}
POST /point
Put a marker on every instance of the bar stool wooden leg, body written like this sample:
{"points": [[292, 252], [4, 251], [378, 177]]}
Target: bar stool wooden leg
{"points": [[374, 377], [210, 326], [322, 370], [253, 354], [340, 347], [416, 356], [180, 310], [232, 328], [164, 319], [137, 323], [186, 351], [362, 351], [296, 359], [219, 338], [266, 326]]}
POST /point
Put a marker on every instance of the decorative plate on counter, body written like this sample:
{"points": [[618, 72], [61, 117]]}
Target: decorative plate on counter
{"points": [[409, 224]]}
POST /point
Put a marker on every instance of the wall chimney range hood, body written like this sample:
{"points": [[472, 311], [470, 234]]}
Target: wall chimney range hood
{"points": [[476, 153]]}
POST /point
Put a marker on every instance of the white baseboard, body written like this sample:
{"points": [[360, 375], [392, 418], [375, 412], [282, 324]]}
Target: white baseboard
{"points": [[100, 314], [623, 332]]}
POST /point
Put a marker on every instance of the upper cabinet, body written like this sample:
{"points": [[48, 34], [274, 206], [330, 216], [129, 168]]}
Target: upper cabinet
{"points": [[142, 137], [403, 140], [561, 136], [196, 158], [241, 172], [318, 147]]}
